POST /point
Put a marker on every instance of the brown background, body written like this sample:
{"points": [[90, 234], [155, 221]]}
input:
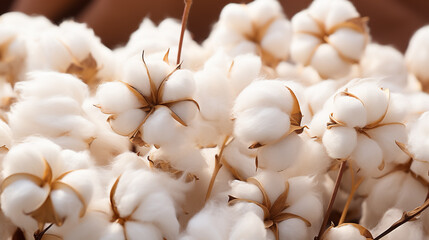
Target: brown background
{"points": [[391, 21]]}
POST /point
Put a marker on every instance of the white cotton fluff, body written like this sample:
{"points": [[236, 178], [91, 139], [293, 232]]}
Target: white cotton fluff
{"points": [[345, 231], [50, 105], [323, 39], [249, 226], [367, 155], [349, 110], [5, 135], [374, 99], [417, 138], [340, 142], [317, 94], [417, 55], [385, 62], [147, 198], [410, 230], [163, 105], [73, 48], [155, 40], [23, 196], [282, 154], [259, 27]]}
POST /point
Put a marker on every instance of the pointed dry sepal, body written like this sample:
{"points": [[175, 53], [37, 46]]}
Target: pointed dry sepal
{"points": [[185, 16]]}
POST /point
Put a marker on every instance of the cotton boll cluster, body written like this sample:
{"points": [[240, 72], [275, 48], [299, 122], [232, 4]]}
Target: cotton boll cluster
{"points": [[259, 27], [330, 36], [268, 117], [232, 140], [417, 56], [50, 105], [44, 184]]}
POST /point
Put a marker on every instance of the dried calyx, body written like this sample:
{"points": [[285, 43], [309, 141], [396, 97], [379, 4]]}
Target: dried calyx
{"points": [[273, 213], [165, 166], [46, 212]]}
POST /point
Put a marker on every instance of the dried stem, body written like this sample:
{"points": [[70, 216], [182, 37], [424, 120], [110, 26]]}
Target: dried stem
{"points": [[331, 201], [39, 234], [355, 186], [406, 216], [188, 4], [217, 167]]}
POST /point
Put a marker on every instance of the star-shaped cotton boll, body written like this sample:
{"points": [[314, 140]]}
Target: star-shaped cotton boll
{"points": [[142, 205], [289, 210], [44, 184], [150, 101], [259, 27], [330, 36], [364, 123], [268, 117]]}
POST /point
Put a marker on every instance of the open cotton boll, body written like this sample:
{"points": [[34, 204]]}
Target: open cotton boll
{"points": [[340, 142], [385, 62], [115, 97], [244, 70], [329, 36], [249, 226], [237, 18], [39, 181], [347, 231], [417, 139], [416, 55], [317, 94], [280, 155], [410, 230]]}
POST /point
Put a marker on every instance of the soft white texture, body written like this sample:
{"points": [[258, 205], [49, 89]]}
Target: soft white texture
{"points": [[340, 142], [417, 55]]}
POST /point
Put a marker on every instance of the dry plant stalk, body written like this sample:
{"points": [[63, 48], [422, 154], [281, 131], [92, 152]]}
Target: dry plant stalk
{"points": [[186, 11]]}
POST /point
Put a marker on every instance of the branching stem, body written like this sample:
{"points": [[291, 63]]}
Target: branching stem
{"points": [[188, 4]]}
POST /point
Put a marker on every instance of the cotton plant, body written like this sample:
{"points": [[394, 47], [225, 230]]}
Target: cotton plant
{"points": [[44, 184], [268, 118], [416, 56], [330, 36], [259, 27], [73, 48], [50, 105]]}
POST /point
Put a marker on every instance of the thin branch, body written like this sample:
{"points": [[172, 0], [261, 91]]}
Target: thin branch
{"points": [[355, 186], [332, 200], [217, 167], [39, 235], [406, 216], [188, 4]]}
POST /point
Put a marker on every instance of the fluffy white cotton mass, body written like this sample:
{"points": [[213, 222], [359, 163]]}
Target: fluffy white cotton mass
{"points": [[417, 55], [45, 184], [330, 36]]}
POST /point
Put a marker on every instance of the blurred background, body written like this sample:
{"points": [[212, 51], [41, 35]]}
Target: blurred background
{"points": [[391, 22]]}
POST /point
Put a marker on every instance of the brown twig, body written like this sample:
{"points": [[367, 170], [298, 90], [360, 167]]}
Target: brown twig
{"points": [[188, 4], [406, 216], [355, 186], [39, 234], [332, 200]]}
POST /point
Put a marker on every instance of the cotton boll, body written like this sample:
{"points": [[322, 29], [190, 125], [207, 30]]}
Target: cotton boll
{"points": [[180, 85], [416, 55], [115, 97], [135, 230], [340, 142], [349, 42], [303, 21], [280, 155], [265, 10], [113, 232], [346, 231], [249, 227], [261, 125], [328, 62], [418, 141], [367, 155], [349, 110], [398, 108], [264, 93], [317, 94], [317, 126], [340, 11], [5, 135]]}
